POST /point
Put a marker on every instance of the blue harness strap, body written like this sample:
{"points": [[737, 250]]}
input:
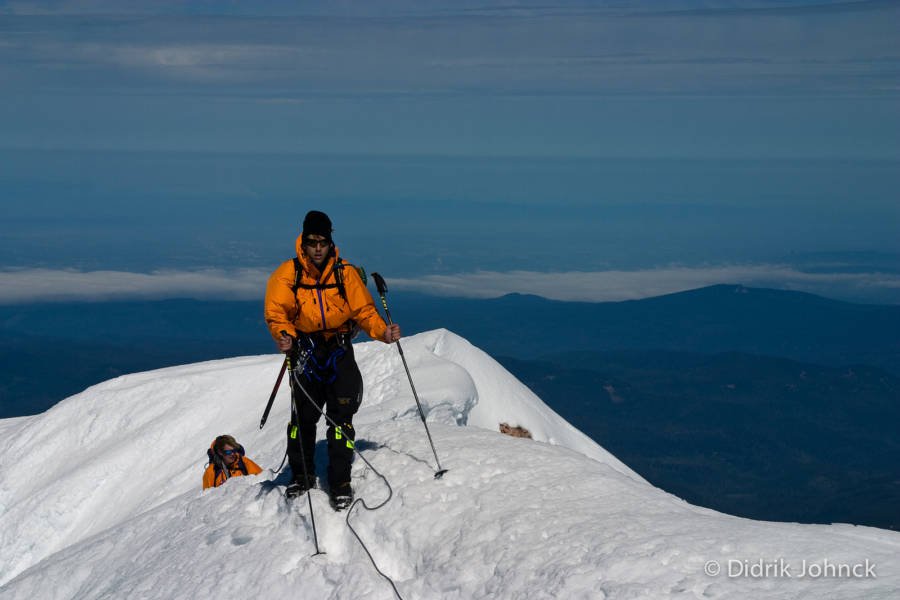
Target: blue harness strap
{"points": [[326, 373], [320, 368]]}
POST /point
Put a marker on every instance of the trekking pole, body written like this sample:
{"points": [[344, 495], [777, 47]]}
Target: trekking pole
{"points": [[312, 515], [262, 422], [382, 290]]}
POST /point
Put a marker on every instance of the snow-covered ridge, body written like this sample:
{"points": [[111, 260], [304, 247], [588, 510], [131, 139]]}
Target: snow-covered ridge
{"points": [[100, 498]]}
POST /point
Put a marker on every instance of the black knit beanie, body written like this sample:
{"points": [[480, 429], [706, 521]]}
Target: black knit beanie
{"points": [[317, 223]]}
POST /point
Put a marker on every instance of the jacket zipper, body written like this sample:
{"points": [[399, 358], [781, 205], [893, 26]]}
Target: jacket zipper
{"points": [[323, 277], [321, 308], [321, 304]]}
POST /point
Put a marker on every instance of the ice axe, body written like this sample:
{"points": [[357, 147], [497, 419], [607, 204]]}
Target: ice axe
{"points": [[262, 422]]}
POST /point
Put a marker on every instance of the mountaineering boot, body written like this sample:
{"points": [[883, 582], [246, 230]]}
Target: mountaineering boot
{"points": [[299, 486], [341, 496]]}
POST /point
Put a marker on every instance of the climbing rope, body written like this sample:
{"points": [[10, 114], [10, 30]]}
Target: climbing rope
{"points": [[296, 379]]}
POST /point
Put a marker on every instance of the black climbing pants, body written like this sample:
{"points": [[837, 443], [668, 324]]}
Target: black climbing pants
{"points": [[340, 399]]}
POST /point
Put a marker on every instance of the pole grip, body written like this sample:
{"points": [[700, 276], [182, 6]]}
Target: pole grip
{"points": [[380, 284], [382, 290]]}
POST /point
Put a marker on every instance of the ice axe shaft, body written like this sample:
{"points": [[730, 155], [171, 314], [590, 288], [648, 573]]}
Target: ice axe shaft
{"points": [[262, 422]]}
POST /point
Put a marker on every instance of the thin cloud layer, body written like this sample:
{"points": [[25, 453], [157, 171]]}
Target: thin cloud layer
{"points": [[573, 78], [536, 50], [45, 285]]}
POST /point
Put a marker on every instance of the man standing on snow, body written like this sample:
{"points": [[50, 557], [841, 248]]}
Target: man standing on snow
{"points": [[313, 304]]}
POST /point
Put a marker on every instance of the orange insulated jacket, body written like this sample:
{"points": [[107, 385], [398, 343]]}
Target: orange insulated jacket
{"points": [[213, 479], [318, 305]]}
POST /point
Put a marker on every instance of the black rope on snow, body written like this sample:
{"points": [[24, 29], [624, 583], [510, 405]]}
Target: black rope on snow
{"points": [[281, 466], [283, 458], [356, 535], [358, 500]]}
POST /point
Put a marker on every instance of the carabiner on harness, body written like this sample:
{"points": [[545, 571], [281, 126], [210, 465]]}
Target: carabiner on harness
{"points": [[318, 366]]}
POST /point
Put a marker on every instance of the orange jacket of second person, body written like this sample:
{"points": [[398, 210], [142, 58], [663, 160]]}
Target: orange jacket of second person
{"points": [[312, 310], [211, 479]]}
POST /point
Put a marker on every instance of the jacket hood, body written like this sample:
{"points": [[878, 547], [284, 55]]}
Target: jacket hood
{"points": [[307, 264]]}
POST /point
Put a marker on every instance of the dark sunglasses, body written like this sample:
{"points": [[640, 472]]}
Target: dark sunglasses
{"points": [[316, 243], [229, 452]]}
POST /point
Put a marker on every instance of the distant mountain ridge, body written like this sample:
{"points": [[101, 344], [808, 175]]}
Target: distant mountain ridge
{"points": [[714, 319]]}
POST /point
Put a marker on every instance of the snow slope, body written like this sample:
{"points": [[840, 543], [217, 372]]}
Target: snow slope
{"points": [[100, 498]]}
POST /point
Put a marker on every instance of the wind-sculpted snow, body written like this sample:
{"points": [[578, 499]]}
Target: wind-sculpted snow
{"points": [[100, 498], [509, 400]]}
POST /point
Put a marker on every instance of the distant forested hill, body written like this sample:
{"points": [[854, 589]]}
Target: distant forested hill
{"points": [[720, 318]]}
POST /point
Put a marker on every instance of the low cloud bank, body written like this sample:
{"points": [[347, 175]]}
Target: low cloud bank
{"points": [[47, 285]]}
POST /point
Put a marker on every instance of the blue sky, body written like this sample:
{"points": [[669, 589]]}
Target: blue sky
{"points": [[634, 142]]}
